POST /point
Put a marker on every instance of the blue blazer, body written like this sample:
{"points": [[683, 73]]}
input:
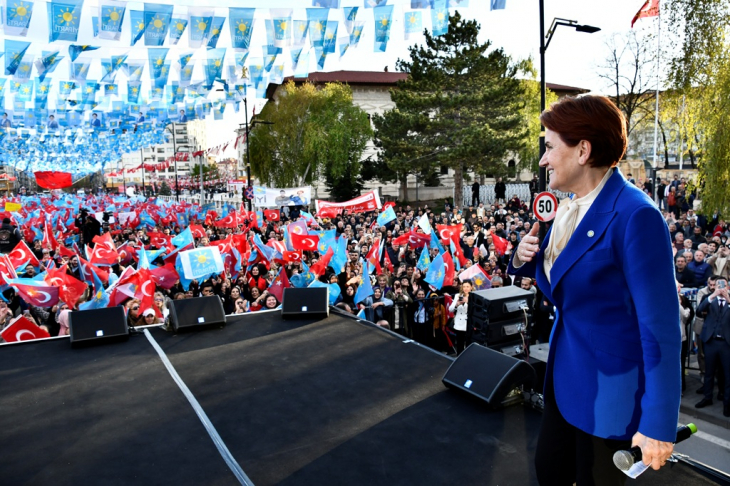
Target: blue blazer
{"points": [[614, 361]]}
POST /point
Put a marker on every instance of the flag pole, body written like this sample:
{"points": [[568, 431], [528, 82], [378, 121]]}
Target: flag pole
{"points": [[656, 108]]}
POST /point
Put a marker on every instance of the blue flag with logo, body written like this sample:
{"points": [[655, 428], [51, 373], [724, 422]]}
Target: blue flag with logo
{"points": [[17, 17], [64, 19], [436, 272], [14, 52], [383, 20], [439, 18], [201, 262], [364, 290], [99, 298], [215, 31], [136, 20], [214, 65], [157, 19], [112, 16], [386, 216], [423, 261], [177, 28]]}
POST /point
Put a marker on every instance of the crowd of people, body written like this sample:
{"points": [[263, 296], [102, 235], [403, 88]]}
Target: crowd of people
{"points": [[400, 297], [74, 234]]}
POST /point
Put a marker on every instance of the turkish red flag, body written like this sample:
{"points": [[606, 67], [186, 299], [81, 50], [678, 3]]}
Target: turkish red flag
{"points": [[280, 283], [165, 276], [197, 230], [304, 242], [449, 267], [319, 268], [101, 254], [649, 9], [49, 240], [159, 240], [22, 254], [224, 246], [53, 180], [272, 214], [230, 221], [22, 329], [500, 244], [125, 252], [388, 263], [329, 212], [64, 251], [70, 289], [292, 256]]}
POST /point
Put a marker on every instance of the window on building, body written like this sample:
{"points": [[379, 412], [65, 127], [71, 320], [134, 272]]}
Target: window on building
{"points": [[512, 169], [444, 170]]}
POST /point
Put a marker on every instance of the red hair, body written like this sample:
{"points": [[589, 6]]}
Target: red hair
{"points": [[594, 119]]}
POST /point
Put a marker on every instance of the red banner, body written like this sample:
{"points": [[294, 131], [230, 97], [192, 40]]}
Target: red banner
{"points": [[369, 201], [53, 180]]}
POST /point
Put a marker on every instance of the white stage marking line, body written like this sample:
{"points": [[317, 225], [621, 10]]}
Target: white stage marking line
{"points": [[711, 438], [220, 445]]}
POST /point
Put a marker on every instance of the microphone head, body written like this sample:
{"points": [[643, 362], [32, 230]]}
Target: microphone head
{"points": [[623, 460]]}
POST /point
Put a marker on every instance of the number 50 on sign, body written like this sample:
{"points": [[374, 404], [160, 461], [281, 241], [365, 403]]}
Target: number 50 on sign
{"points": [[545, 206]]}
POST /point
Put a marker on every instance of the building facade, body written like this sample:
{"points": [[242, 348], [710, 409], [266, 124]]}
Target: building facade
{"points": [[371, 92]]}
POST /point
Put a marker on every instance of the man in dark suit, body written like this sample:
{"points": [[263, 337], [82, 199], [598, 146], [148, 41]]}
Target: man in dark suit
{"points": [[716, 339]]}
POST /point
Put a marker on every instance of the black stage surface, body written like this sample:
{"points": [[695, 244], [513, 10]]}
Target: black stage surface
{"points": [[331, 401]]}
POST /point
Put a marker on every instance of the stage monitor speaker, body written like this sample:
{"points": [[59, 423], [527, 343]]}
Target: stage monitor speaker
{"points": [[97, 326], [499, 303], [305, 303], [198, 313], [488, 374]]}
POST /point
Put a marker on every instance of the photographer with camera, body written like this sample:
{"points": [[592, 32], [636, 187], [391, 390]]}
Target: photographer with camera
{"points": [[400, 300]]}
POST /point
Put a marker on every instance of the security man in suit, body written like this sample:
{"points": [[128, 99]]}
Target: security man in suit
{"points": [[715, 337]]}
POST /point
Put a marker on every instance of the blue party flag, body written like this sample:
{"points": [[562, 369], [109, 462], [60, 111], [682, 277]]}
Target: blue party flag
{"points": [[364, 290], [64, 19], [436, 272], [386, 216]]}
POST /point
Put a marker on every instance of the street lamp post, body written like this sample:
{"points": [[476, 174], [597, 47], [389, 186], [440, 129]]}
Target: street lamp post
{"points": [[542, 181], [248, 146], [174, 158]]}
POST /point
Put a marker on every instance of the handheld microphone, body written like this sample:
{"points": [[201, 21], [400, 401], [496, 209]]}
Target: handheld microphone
{"points": [[624, 460]]}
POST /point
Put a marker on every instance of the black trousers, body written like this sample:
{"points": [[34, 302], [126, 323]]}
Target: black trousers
{"points": [[717, 359], [566, 455]]}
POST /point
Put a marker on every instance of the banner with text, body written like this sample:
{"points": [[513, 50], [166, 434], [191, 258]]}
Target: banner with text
{"points": [[369, 201], [267, 197]]}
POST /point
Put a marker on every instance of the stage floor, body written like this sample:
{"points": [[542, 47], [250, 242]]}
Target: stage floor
{"points": [[331, 401]]}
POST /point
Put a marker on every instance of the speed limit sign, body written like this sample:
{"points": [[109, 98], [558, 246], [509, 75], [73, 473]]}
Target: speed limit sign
{"points": [[545, 206]]}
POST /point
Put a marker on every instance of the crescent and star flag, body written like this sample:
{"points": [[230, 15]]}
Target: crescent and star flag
{"points": [[197, 230], [201, 262], [280, 283], [649, 9], [500, 244], [304, 242], [165, 276], [230, 221], [292, 256], [21, 329], [53, 180], [22, 254], [70, 289], [35, 292], [449, 268], [319, 268], [272, 214]]}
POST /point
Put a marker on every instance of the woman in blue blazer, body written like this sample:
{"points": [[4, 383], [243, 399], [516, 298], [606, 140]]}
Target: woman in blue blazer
{"points": [[613, 374]]}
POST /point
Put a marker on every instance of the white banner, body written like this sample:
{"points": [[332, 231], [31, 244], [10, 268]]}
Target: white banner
{"points": [[370, 201], [265, 197]]}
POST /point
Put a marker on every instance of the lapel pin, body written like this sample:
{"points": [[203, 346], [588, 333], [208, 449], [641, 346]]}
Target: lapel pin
{"points": [[590, 234]]}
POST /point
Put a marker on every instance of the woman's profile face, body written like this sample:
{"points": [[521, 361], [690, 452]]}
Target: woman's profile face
{"points": [[561, 162]]}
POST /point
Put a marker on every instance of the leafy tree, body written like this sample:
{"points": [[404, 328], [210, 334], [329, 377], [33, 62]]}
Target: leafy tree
{"points": [[460, 106], [701, 67], [164, 189], [314, 132]]}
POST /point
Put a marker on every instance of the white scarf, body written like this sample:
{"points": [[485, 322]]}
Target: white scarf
{"points": [[569, 215]]}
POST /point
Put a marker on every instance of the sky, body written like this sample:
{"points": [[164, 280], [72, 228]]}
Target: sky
{"points": [[573, 58]]}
